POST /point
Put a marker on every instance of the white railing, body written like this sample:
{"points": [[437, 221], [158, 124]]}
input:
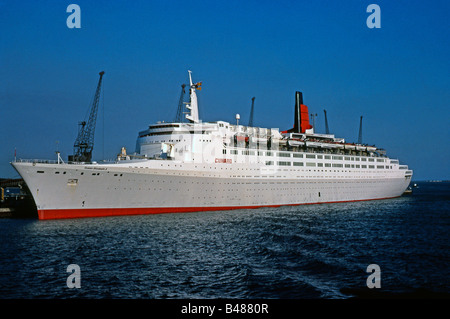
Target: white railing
{"points": [[41, 161]]}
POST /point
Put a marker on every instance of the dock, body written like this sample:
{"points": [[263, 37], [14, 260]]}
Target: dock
{"points": [[16, 200]]}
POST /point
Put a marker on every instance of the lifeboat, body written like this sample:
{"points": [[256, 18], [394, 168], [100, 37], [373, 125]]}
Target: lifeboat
{"points": [[329, 145], [296, 142], [313, 144], [350, 146], [360, 147]]}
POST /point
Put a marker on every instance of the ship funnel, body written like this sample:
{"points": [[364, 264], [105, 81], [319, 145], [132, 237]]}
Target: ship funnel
{"points": [[301, 117]]}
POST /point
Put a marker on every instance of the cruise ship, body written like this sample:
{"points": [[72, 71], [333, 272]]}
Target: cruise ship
{"points": [[192, 166]]}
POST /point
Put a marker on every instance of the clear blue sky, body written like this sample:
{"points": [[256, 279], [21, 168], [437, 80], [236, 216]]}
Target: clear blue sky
{"points": [[397, 76]]}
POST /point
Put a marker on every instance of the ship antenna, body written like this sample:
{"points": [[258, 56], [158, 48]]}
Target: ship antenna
{"points": [[250, 122], [327, 130], [360, 131], [313, 117]]}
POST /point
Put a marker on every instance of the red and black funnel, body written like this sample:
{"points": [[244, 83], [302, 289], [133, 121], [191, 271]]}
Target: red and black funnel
{"points": [[301, 117]]}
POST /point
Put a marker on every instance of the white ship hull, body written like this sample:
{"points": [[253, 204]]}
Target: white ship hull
{"points": [[196, 166], [156, 186]]}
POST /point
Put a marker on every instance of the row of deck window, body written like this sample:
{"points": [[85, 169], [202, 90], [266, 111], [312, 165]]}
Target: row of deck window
{"points": [[310, 156], [312, 164]]}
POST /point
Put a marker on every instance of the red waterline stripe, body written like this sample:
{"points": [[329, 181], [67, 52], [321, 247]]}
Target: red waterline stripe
{"points": [[104, 212]]}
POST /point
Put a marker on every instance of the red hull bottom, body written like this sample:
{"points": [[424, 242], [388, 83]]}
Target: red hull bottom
{"points": [[44, 214]]}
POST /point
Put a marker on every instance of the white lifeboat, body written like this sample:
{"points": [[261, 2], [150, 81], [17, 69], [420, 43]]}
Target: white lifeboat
{"points": [[350, 146], [296, 142], [360, 148], [313, 144]]}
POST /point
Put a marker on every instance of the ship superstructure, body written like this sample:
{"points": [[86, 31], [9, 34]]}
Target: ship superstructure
{"points": [[192, 166]]}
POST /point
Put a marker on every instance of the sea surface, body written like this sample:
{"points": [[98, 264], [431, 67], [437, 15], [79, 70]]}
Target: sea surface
{"points": [[303, 252]]}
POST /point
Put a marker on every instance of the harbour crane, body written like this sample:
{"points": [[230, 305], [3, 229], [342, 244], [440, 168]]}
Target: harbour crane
{"points": [[179, 116], [84, 144]]}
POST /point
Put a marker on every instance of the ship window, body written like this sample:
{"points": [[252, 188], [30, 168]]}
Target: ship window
{"points": [[269, 162], [235, 152], [380, 160], [298, 155], [310, 164], [310, 156], [363, 166], [347, 158], [364, 159], [268, 153], [284, 163], [380, 166], [371, 166], [40, 172], [327, 164], [298, 163], [347, 165], [337, 165], [371, 160], [327, 157], [337, 157], [320, 164], [319, 156], [284, 154], [224, 151]]}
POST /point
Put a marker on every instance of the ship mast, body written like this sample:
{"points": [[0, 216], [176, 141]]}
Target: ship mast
{"points": [[360, 131], [193, 105]]}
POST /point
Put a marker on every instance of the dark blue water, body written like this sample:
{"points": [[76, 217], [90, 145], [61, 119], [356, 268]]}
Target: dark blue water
{"points": [[311, 251]]}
